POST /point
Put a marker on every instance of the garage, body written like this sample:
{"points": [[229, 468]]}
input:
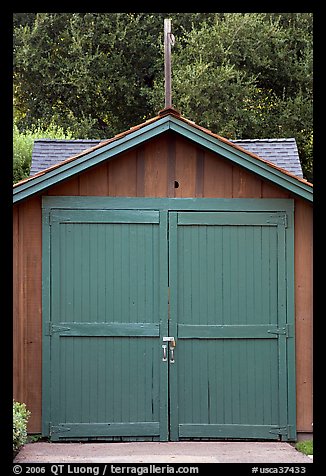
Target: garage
{"points": [[167, 290]]}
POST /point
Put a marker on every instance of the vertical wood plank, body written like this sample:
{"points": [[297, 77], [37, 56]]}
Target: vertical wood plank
{"points": [[226, 317], [200, 158], [31, 313], [140, 172], [123, 174], [245, 184], [171, 151], [258, 272], [243, 382], [303, 259], [204, 253], [94, 181], [18, 311], [156, 168], [235, 390], [185, 168], [217, 177]]}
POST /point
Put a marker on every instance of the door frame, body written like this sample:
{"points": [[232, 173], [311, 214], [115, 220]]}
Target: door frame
{"points": [[285, 206]]}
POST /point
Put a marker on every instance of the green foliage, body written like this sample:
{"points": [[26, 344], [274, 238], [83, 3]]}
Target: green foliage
{"points": [[34, 438], [242, 75], [22, 150], [247, 76], [305, 447], [20, 419], [91, 68], [23, 146]]}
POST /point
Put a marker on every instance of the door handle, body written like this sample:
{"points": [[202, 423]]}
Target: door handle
{"points": [[172, 355], [165, 357]]}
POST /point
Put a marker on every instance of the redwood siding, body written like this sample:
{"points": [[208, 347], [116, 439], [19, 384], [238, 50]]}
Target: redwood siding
{"points": [[27, 325], [303, 262], [151, 170]]}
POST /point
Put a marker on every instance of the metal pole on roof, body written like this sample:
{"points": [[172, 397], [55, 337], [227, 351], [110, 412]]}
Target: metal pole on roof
{"points": [[168, 41]]}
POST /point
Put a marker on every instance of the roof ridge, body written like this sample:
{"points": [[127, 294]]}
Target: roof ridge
{"points": [[277, 139], [46, 139], [68, 140]]}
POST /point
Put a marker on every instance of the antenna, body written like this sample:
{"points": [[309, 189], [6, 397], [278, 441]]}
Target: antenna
{"points": [[168, 41]]}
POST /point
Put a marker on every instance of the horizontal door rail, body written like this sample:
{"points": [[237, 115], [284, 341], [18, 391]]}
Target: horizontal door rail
{"points": [[81, 430], [249, 331], [235, 218], [230, 431], [177, 204], [105, 216], [105, 329]]}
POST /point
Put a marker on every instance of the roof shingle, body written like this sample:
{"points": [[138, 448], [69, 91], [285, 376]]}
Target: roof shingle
{"points": [[282, 152], [48, 152]]}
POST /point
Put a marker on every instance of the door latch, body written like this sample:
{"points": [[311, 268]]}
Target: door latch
{"points": [[172, 343], [169, 339]]}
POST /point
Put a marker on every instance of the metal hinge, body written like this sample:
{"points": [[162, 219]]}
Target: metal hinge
{"points": [[285, 220], [282, 430], [58, 429], [281, 219], [287, 330], [52, 328]]}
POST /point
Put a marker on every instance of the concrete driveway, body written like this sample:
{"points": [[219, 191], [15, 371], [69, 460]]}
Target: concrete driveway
{"points": [[153, 452]]}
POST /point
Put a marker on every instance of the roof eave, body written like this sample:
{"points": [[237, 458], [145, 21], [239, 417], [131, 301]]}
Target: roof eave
{"points": [[247, 160], [152, 128], [55, 174]]}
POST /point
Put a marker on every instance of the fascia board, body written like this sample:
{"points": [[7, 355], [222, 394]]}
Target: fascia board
{"points": [[242, 159], [86, 161]]}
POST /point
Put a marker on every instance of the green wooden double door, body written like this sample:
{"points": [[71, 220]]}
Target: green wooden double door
{"points": [[167, 325]]}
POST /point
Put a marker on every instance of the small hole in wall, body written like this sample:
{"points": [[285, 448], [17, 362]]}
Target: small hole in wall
{"points": [[176, 184]]}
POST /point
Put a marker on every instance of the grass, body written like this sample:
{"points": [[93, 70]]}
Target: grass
{"points": [[305, 447]]}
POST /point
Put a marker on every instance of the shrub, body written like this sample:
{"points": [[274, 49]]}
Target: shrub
{"points": [[20, 419], [305, 447], [23, 146]]}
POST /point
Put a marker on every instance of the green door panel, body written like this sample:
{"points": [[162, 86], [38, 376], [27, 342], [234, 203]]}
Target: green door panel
{"points": [[227, 301], [108, 311]]}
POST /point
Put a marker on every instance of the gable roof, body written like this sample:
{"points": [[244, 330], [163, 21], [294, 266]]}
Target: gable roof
{"points": [[167, 119], [282, 152], [48, 152]]}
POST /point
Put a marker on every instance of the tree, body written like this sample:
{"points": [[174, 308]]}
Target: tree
{"points": [[248, 76], [91, 72], [240, 75]]}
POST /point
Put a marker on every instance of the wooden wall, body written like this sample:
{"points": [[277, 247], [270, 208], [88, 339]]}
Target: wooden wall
{"points": [[167, 166]]}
